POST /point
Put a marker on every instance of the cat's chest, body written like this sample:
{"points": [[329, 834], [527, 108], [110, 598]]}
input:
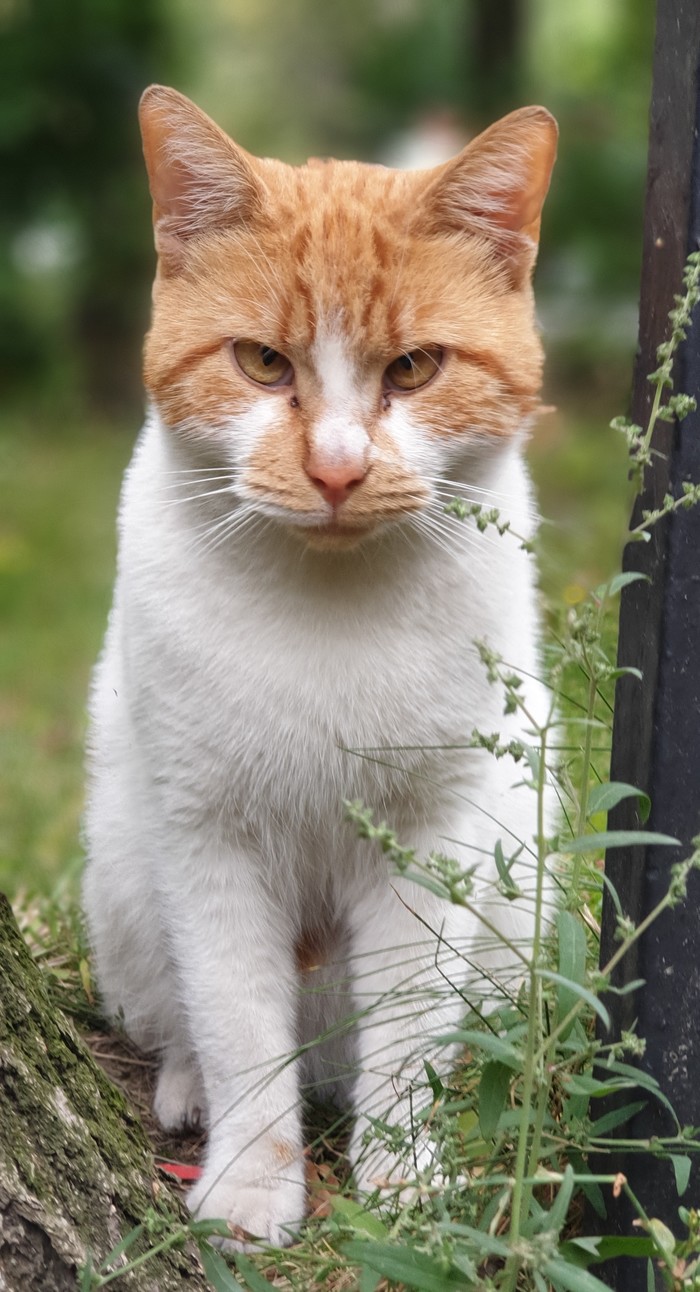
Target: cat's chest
{"points": [[278, 688], [351, 665]]}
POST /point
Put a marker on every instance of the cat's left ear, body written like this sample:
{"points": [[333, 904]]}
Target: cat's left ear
{"points": [[496, 186]]}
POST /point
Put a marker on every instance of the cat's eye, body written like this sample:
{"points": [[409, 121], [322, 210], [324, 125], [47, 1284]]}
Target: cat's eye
{"points": [[263, 364], [414, 369]]}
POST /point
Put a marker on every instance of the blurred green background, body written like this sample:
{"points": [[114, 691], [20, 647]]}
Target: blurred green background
{"points": [[377, 79]]}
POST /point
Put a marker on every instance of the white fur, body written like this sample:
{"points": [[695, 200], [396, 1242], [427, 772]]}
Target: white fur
{"points": [[339, 437], [236, 681]]}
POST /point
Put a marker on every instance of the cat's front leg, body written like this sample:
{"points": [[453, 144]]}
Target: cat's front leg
{"points": [[234, 961], [407, 947]]}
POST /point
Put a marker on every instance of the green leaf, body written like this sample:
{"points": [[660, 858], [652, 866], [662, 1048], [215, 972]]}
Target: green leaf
{"points": [[368, 1281], [580, 1251], [86, 1279], [619, 582], [355, 1215], [582, 992], [681, 1169], [509, 888], [468, 1122], [604, 797], [573, 1278], [633, 985], [493, 1045], [595, 1251], [574, 1108], [664, 1240], [629, 671], [433, 1081], [404, 1265], [638, 1077], [581, 1084], [558, 1211], [434, 886], [572, 962], [594, 1195], [614, 897], [617, 1117], [123, 1246], [533, 760], [218, 1272], [616, 839], [493, 1092], [253, 1279]]}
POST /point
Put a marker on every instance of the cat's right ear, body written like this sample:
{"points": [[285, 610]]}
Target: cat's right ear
{"points": [[199, 179]]}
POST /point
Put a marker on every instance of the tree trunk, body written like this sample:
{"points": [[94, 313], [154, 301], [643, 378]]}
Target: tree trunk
{"points": [[76, 1172]]}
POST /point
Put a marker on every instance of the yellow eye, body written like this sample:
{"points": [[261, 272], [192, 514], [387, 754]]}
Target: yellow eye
{"points": [[263, 364], [415, 369]]}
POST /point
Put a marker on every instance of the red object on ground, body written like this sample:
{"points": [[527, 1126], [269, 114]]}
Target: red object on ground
{"points": [[180, 1170]]}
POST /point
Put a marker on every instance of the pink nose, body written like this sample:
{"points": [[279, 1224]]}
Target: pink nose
{"points": [[335, 481]]}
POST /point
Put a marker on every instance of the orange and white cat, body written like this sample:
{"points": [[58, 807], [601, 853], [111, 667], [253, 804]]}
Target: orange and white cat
{"points": [[336, 351]]}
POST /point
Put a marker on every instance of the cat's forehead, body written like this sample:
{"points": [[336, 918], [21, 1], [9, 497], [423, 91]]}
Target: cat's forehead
{"points": [[348, 229], [338, 248], [327, 182], [336, 208]]}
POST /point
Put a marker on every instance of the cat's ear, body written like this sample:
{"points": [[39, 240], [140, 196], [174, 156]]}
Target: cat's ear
{"points": [[497, 185], [199, 179]]}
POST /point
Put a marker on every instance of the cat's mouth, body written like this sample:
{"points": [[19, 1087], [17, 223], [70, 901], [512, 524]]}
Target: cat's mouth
{"points": [[334, 535]]}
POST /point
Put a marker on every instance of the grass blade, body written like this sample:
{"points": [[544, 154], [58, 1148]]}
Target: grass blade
{"points": [[405, 1265], [217, 1271], [572, 963], [493, 1092]]}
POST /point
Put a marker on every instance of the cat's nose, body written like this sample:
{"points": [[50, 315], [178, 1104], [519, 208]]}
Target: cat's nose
{"points": [[336, 480]]}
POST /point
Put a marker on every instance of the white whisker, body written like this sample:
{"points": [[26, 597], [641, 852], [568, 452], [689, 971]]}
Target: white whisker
{"points": [[197, 480], [209, 493], [448, 490], [194, 471], [452, 535], [208, 536]]}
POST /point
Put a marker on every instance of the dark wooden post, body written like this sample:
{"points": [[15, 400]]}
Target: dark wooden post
{"points": [[656, 731]]}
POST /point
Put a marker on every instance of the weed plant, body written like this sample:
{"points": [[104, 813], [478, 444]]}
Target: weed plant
{"points": [[500, 1206]]}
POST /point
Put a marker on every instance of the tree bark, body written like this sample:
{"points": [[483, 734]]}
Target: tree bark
{"points": [[76, 1172]]}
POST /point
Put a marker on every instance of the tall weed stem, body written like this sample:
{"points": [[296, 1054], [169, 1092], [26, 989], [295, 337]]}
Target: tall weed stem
{"points": [[526, 1164]]}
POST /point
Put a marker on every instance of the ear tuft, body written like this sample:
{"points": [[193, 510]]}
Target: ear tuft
{"points": [[496, 187], [199, 179]]}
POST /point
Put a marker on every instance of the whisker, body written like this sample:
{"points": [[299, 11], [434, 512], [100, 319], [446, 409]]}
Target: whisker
{"points": [[207, 537], [462, 485], [209, 493], [193, 471], [450, 536], [422, 524], [196, 480], [445, 497]]}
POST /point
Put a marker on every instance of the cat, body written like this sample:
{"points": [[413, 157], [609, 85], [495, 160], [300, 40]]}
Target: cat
{"points": [[336, 351]]}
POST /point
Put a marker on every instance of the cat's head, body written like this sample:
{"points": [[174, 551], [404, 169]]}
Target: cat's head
{"points": [[342, 335]]}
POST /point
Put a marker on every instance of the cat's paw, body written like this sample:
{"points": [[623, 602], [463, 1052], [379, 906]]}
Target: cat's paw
{"points": [[179, 1102], [269, 1213]]}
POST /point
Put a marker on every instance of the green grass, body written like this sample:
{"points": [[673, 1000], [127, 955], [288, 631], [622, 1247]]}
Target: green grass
{"points": [[60, 488], [579, 466]]}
